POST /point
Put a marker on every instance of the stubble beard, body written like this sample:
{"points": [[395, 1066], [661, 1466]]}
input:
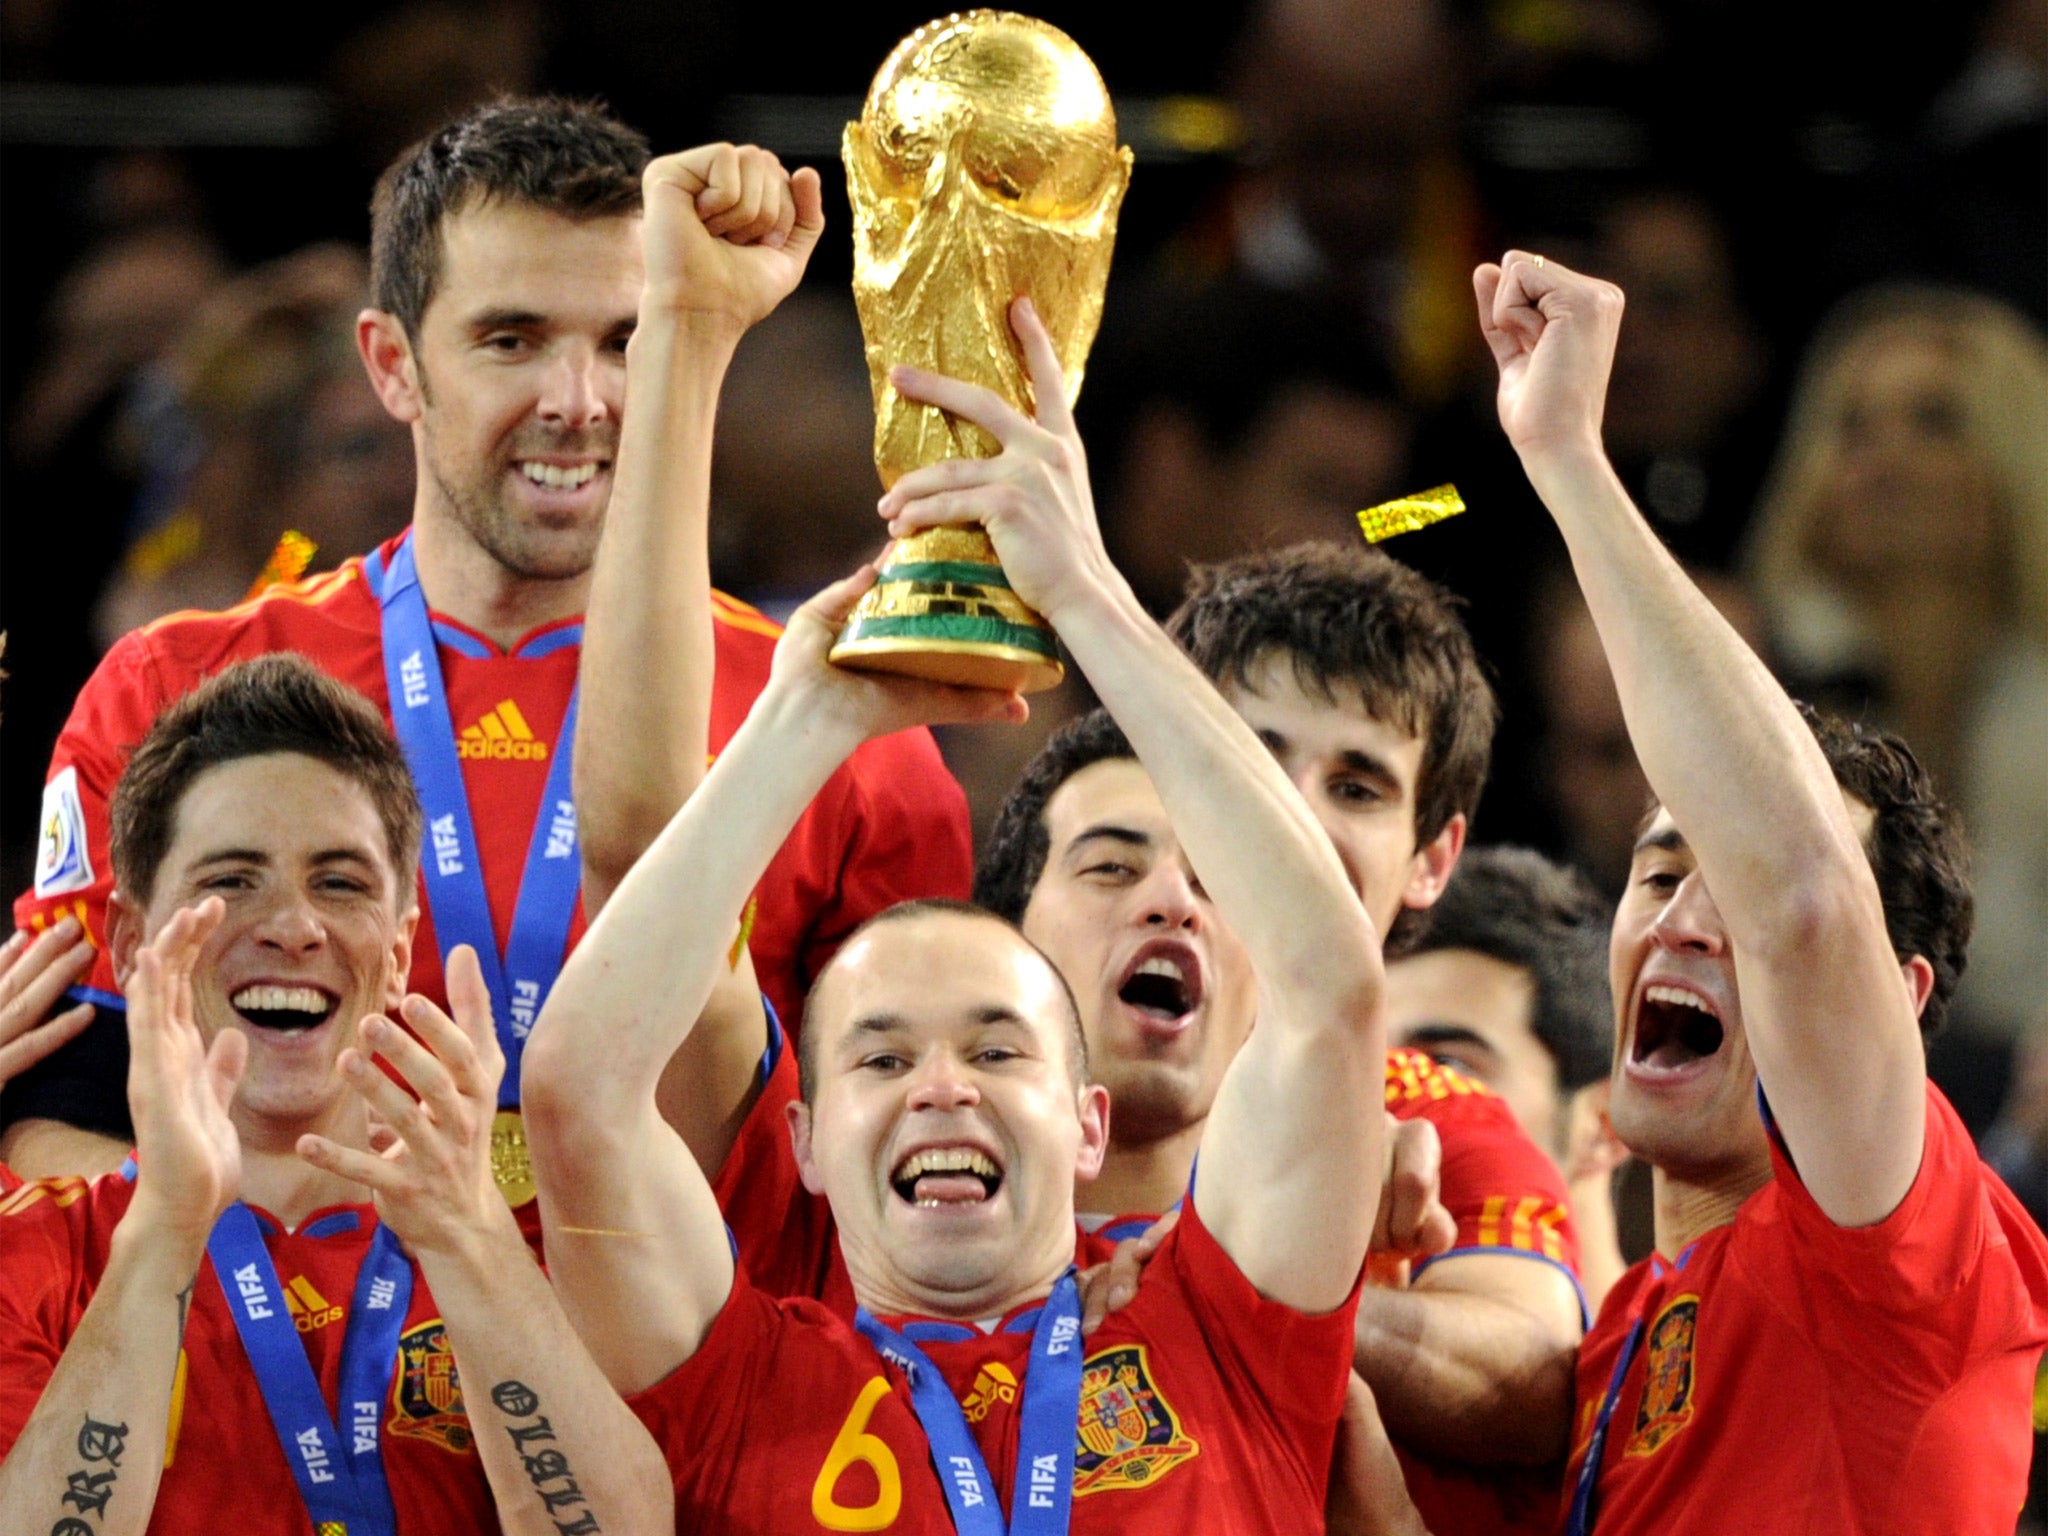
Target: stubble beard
{"points": [[479, 503]]}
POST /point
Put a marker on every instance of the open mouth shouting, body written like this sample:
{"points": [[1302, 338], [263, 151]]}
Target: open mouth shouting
{"points": [[1162, 987], [935, 1177], [285, 1008], [1677, 1031]]}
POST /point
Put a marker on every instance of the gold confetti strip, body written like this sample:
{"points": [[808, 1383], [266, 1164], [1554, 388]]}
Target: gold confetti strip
{"points": [[287, 562], [603, 1232], [1409, 513]]}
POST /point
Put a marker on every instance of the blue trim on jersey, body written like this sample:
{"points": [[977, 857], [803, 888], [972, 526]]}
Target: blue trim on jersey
{"points": [[1124, 1228], [1578, 1290], [778, 1042], [332, 1223], [546, 645], [461, 641], [127, 1169], [97, 998]]}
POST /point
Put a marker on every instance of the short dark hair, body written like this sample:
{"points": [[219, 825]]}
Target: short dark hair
{"points": [[274, 703], [1916, 850], [1019, 843], [1354, 621], [806, 1043], [1519, 908], [568, 157]]}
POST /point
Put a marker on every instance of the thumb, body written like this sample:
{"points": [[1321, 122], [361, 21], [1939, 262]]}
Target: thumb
{"points": [[835, 604], [809, 195]]}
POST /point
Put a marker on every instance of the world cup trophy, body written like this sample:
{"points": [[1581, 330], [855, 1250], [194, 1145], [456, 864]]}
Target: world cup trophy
{"points": [[984, 166]]}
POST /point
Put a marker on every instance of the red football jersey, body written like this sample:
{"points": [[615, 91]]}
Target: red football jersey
{"points": [[1204, 1407], [1506, 1196], [1805, 1379], [226, 1470], [890, 825]]}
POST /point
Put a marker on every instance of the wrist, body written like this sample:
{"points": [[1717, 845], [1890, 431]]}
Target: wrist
{"points": [[471, 1253], [155, 1254], [813, 710], [672, 313]]}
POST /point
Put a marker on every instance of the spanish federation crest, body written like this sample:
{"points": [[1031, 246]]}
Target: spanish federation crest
{"points": [[1130, 1437], [1667, 1378], [426, 1397]]}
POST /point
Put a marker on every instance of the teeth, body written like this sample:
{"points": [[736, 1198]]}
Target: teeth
{"points": [[1684, 999], [280, 1000], [1161, 965], [948, 1160], [557, 478]]}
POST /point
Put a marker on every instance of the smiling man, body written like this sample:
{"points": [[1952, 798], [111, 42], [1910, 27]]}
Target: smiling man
{"points": [[946, 1113], [1840, 1325], [232, 1279], [508, 279]]}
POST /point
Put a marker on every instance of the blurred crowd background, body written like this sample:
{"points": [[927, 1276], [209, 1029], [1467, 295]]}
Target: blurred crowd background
{"points": [[1831, 395]]}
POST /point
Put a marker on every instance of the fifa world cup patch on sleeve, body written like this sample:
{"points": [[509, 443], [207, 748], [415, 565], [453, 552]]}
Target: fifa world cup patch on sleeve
{"points": [[1130, 1437], [1667, 1402], [63, 864], [426, 1397]]}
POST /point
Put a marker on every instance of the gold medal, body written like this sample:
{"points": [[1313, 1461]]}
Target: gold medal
{"points": [[511, 1164]]}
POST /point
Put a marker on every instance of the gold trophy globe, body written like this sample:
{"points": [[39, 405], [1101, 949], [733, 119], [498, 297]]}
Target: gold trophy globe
{"points": [[984, 166]]}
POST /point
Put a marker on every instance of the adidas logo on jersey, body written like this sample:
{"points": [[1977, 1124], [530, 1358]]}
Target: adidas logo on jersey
{"points": [[502, 734], [309, 1309]]}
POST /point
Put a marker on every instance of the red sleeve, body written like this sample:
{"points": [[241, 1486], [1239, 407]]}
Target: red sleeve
{"points": [[1957, 1244], [698, 1413], [1500, 1188], [46, 1231], [782, 1234], [74, 872], [1292, 1367]]}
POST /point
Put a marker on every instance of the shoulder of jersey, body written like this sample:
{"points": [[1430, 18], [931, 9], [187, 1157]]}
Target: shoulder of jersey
{"points": [[1414, 1076], [731, 613], [42, 1196], [325, 593]]}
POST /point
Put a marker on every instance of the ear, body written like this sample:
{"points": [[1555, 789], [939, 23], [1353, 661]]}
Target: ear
{"points": [[1430, 870], [124, 935], [1919, 981], [1093, 1104], [799, 1116], [401, 958], [388, 357], [1593, 1150]]}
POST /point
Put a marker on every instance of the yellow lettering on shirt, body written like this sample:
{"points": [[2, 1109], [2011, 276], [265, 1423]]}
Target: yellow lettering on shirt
{"points": [[855, 1444]]}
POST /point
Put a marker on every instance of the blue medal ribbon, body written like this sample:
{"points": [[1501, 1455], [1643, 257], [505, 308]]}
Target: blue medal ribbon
{"points": [[1042, 1493], [520, 979], [340, 1476]]}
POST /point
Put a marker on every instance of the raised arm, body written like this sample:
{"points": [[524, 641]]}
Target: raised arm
{"points": [[101, 1423], [1730, 758], [1298, 1113], [635, 1241], [727, 234], [561, 1449]]}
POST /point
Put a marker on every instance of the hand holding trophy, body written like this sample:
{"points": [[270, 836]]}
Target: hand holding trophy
{"points": [[984, 166]]}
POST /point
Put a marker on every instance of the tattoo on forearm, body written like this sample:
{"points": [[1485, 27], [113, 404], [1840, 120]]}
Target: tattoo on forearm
{"points": [[516, 1400], [87, 1491]]}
